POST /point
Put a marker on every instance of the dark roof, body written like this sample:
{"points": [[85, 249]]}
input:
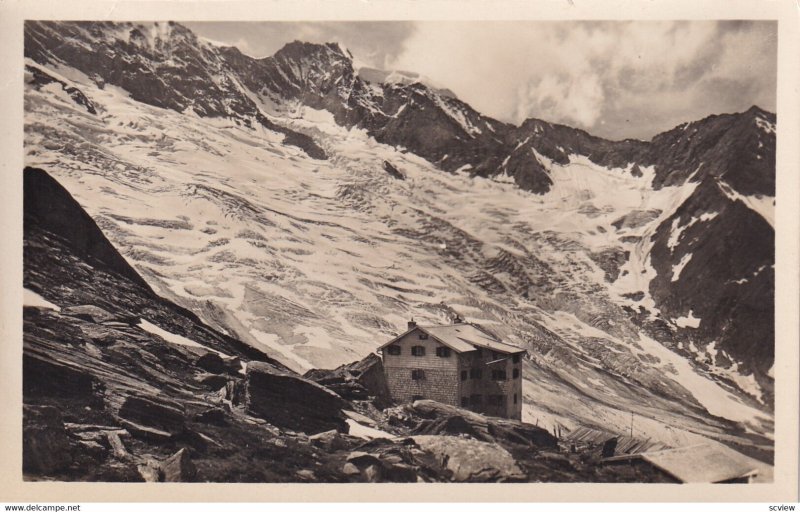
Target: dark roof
{"points": [[462, 337]]}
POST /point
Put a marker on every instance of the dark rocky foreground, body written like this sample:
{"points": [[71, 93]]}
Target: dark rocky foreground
{"points": [[107, 400]]}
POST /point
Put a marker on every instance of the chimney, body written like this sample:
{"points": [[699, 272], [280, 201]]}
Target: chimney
{"points": [[411, 324]]}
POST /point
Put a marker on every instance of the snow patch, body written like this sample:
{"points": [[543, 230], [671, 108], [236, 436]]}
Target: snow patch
{"points": [[762, 205], [708, 393], [176, 339], [365, 432], [765, 125], [677, 269], [688, 321], [33, 299]]}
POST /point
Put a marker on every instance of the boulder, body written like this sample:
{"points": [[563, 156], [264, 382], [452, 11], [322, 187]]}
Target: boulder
{"points": [[235, 391], [179, 467], [45, 445], [93, 449], [470, 460], [117, 446], [150, 470], [373, 473], [350, 469], [329, 440], [292, 402], [306, 475], [360, 380], [434, 418], [42, 376], [146, 433], [214, 416], [156, 413], [214, 382], [212, 363], [362, 459], [89, 313]]}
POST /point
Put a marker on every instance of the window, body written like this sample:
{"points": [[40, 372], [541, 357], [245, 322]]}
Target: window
{"points": [[475, 373], [464, 401], [463, 374], [417, 350], [394, 350], [497, 400], [423, 336], [495, 355], [476, 399], [515, 358], [443, 351], [498, 375], [515, 399], [417, 374], [515, 373], [478, 353]]}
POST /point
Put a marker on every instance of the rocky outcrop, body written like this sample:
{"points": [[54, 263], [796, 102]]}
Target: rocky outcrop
{"points": [[159, 414], [179, 467], [45, 446], [433, 418], [360, 380], [292, 402], [471, 461]]}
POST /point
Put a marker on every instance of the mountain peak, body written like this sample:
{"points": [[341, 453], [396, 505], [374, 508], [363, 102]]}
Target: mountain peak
{"points": [[300, 50]]}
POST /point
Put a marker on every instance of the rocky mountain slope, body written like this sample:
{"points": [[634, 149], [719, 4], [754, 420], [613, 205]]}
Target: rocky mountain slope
{"points": [[294, 205], [111, 396]]}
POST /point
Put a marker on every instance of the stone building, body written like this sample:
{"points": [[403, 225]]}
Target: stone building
{"points": [[461, 364]]}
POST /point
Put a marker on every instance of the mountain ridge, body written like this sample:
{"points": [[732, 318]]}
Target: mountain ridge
{"points": [[592, 254]]}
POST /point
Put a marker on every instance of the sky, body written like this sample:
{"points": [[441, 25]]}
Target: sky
{"points": [[615, 79]]}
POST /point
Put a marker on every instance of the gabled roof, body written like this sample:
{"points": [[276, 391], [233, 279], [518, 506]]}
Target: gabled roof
{"points": [[702, 463], [462, 337]]}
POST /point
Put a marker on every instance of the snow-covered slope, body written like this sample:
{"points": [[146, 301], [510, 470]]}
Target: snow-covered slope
{"points": [[319, 261]]}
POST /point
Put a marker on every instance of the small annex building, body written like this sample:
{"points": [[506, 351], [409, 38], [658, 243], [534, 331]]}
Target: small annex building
{"points": [[701, 463], [462, 364]]}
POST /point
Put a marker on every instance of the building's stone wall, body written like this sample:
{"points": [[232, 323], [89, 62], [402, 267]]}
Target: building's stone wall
{"points": [[441, 373], [486, 387], [443, 377]]}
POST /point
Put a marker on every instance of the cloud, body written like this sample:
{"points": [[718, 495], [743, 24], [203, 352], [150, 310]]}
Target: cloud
{"points": [[372, 42], [615, 79]]}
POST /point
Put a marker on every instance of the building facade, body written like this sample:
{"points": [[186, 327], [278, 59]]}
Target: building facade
{"points": [[460, 364]]}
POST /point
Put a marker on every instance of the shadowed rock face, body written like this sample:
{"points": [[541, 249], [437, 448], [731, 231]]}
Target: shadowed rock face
{"points": [[290, 401], [45, 446], [46, 203], [360, 380]]}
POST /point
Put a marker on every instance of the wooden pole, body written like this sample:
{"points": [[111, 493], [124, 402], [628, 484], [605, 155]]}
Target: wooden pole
{"points": [[631, 423]]}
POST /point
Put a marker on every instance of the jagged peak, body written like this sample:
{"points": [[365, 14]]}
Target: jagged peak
{"points": [[300, 49]]}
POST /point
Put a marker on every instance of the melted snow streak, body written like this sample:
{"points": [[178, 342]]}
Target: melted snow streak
{"points": [[319, 262]]}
